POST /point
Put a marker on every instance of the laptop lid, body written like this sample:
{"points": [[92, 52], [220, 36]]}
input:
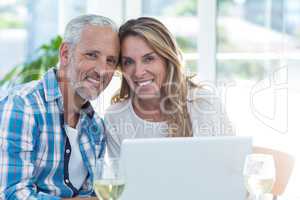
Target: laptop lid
{"points": [[185, 168]]}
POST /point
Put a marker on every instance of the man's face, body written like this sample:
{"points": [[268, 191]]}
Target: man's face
{"points": [[93, 61]]}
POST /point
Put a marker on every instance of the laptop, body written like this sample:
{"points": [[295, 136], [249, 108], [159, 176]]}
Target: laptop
{"points": [[207, 168]]}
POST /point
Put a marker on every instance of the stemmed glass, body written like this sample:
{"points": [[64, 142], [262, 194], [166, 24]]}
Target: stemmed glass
{"points": [[259, 175], [109, 178]]}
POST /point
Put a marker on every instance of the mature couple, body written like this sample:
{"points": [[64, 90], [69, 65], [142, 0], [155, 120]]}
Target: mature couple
{"points": [[50, 135]]}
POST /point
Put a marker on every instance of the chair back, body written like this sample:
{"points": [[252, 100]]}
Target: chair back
{"points": [[284, 164]]}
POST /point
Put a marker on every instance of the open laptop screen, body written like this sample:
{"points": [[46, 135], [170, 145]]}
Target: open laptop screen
{"points": [[207, 168]]}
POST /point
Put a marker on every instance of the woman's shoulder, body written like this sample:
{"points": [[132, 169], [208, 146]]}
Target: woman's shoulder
{"points": [[205, 99], [203, 94], [199, 90]]}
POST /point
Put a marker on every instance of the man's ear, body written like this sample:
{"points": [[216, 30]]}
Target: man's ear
{"points": [[64, 53]]}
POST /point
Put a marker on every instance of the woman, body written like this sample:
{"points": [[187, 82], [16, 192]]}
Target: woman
{"points": [[156, 99]]}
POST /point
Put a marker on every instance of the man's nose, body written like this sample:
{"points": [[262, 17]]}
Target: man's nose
{"points": [[103, 67]]}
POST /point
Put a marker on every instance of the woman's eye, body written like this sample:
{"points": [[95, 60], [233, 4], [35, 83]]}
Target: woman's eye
{"points": [[148, 59], [127, 62]]}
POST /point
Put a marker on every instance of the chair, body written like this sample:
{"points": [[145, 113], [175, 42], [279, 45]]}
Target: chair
{"points": [[284, 164]]}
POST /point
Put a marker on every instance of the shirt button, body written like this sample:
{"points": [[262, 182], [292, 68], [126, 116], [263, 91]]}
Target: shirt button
{"points": [[68, 151], [67, 180]]}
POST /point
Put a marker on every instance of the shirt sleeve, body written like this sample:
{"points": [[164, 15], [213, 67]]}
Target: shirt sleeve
{"points": [[17, 151]]}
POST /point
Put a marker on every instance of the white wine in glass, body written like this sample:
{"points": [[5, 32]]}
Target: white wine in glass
{"points": [[109, 180], [259, 174], [109, 189]]}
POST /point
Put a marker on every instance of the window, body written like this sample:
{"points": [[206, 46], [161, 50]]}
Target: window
{"points": [[258, 59], [180, 17], [258, 45], [13, 34]]}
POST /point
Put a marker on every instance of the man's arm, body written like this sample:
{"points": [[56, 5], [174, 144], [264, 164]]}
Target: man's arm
{"points": [[17, 151]]}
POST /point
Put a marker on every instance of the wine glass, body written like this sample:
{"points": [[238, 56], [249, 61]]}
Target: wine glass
{"points": [[259, 174], [109, 178]]}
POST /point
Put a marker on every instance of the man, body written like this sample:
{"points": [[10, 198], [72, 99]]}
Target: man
{"points": [[50, 135]]}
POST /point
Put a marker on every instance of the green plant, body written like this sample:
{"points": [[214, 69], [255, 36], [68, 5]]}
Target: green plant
{"points": [[47, 57]]}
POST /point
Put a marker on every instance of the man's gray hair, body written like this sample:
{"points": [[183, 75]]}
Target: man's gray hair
{"points": [[75, 26]]}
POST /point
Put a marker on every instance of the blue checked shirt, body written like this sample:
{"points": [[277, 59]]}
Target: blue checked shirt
{"points": [[33, 143]]}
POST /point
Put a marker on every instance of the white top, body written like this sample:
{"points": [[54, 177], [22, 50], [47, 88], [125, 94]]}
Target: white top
{"points": [[76, 168], [207, 114]]}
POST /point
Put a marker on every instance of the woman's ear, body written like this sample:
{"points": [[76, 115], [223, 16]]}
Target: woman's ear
{"points": [[64, 53]]}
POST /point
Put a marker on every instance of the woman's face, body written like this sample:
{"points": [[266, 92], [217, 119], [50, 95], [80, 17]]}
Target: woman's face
{"points": [[144, 70]]}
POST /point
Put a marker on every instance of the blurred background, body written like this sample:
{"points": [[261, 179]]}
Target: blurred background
{"points": [[249, 49]]}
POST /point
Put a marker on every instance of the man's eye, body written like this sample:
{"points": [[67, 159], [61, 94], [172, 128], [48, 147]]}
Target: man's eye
{"points": [[112, 61], [91, 55]]}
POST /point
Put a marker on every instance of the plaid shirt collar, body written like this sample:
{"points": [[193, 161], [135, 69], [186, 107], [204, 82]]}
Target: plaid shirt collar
{"points": [[52, 93], [51, 86]]}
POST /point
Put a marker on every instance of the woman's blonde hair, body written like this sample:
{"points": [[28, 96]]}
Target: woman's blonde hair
{"points": [[174, 90]]}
